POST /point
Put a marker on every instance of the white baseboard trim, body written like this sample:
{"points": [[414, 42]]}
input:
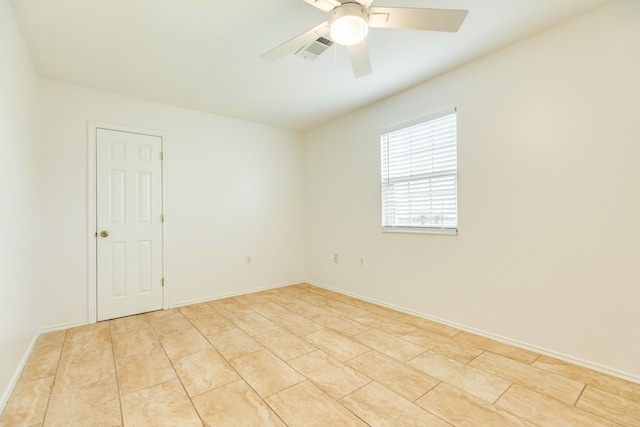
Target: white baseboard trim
{"points": [[233, 294], [570, 359], [64, 326], [4, 399]]}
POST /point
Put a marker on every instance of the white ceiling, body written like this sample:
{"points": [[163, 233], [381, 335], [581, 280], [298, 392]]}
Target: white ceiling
{"points": [[204, 54]]}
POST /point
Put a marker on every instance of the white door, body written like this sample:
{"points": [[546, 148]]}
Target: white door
{"points": [[129, 223]]}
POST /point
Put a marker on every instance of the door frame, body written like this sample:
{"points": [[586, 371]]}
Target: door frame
{"points": [[92, 241]]}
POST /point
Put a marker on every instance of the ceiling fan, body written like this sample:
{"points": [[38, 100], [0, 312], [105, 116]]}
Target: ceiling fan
{"points": [[350, 22]]}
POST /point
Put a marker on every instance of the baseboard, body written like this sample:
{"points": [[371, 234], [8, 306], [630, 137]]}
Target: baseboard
{"points": [[4, 399], [233, 294], [570, 359], [64, 326]]}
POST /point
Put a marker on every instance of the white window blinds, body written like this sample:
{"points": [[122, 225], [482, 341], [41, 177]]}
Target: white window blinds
{"points": [[419, 175]]}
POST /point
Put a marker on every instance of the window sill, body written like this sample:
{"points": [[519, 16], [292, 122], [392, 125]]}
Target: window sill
{"points": [[421, 230]]}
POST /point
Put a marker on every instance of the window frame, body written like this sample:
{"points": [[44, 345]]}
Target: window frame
{"points": [[432, 228]]}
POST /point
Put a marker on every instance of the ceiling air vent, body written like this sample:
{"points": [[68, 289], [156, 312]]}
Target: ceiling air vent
{"points": [[313, 50]]}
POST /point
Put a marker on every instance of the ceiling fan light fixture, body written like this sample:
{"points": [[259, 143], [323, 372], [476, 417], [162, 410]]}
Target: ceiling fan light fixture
{"points": [[349, 24]]}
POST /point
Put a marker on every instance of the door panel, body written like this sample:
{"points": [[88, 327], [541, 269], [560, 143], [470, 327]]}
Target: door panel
{"points": [[129, 223]]}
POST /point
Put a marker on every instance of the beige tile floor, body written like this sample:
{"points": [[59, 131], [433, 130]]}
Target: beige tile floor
{"points": [[302, 356]]}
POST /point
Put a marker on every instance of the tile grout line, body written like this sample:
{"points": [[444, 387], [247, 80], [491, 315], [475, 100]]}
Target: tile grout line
{"points": [[579, 396], [115, 371], [508, 411], [228, 361], [174, 367], [55, 376]]}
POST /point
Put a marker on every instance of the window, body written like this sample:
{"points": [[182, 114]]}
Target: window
{"points": [[419, 175]]}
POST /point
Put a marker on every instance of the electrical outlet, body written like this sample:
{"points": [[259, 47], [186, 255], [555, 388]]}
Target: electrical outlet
{"points": [[335, 258], [248, 259]]}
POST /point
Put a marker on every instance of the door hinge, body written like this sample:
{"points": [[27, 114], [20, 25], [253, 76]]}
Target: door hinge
{"points": [[162, 281], [162, 218], [161, 155]]}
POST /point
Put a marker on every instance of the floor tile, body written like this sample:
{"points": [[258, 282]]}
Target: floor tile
{"points": [[467, 378], [254, 323], [345, 310], [269, 309], [265, 373], [203, 371], [610, 406], [305, 354], [446, 346], [28, 403], [464, 410], [164, 404], [279, 298], [305, 308], [196, 310], [536, 379], [339, 324], [41, 365], [95, 404], [230, 308], [386, 324], [169, 324], [296, 324], [94, 329], [293, 289], [139, 341], [379, 406], [588, 376], [408, 382], [79, 369], [181, 343], [47, 346], [128, 324], [142, 370], [234, 343], [235, 404], [546, 411], [389, 344], [211, 323], [428, 325], [377, 309], [515, 353], [160, 313], [305, 405], [315, 298], [88, 338], [55, 337], [333, 376], [336, 344], [284, 344], [249, 299]]}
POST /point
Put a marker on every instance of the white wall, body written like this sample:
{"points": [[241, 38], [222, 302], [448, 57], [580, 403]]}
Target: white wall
{"points": [[19, 116], [549, 199], [233, 189]]}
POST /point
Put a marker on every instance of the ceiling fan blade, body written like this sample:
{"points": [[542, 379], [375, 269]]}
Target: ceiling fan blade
{"points": [[448, 20], [359, 57], [297, 42], [325, 5]]}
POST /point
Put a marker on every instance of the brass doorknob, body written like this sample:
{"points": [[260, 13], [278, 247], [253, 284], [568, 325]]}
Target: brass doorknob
{"points": [[104, 233]]}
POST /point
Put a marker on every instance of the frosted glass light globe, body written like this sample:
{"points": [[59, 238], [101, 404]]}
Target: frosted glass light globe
{"points": [[349, 24]]}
